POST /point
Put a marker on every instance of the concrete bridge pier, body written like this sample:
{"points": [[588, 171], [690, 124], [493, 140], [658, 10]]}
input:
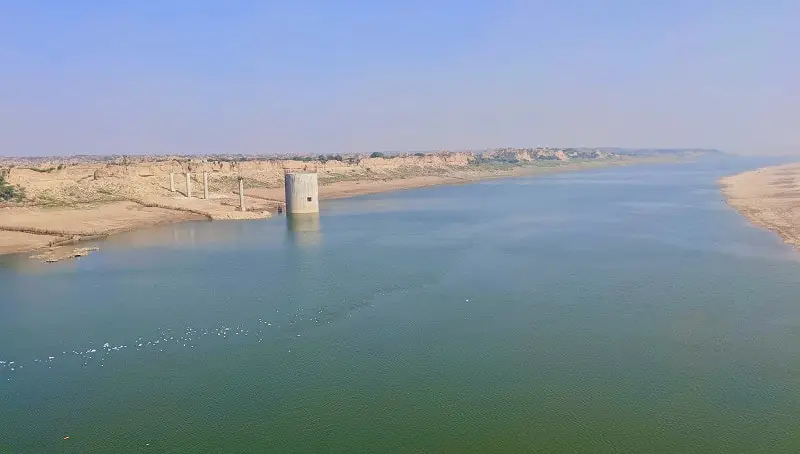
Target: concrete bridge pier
{"points": [[188, 185], [241, 194]]}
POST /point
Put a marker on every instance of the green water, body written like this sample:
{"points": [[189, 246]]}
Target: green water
{"points": [[622, 310]]}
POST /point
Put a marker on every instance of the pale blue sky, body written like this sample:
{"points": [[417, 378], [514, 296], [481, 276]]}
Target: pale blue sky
{"points": [[203, 76]]}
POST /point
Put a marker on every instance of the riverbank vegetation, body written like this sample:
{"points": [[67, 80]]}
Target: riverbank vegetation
{"points": [[10, 193]]}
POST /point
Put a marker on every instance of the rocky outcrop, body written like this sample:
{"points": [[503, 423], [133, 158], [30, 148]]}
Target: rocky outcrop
{"points": [[460, 159], [58, 254]]}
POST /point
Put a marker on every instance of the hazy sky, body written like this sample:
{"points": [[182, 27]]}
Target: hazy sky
{"points": [[333, 76]]}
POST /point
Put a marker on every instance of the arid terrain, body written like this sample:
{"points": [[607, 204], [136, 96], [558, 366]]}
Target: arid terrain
{"points": [[769, 198], [65, 200]]}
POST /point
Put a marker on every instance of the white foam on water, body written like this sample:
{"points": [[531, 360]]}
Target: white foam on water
{"points": [[166, 339]]}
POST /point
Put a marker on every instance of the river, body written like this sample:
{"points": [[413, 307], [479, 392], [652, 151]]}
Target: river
{"points": [[617, 310]]}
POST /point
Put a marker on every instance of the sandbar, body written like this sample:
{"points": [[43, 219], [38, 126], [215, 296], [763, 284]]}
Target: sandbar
{"points": [[769, 198]]}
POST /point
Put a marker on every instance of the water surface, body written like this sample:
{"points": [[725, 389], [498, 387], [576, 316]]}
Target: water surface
{"points": [[620, 310]]}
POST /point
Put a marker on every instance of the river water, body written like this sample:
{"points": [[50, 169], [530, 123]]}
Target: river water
{"points": [[620, 310]]}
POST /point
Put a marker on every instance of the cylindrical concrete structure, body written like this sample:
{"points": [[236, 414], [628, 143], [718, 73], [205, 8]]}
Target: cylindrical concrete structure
{"points": [[241, 194], [172, 182], [205, 185], [302, 192], [188, 185]]}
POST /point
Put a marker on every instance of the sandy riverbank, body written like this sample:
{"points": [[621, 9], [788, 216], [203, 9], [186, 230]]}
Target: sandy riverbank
{"points": [[29, 228], [769, 198]]}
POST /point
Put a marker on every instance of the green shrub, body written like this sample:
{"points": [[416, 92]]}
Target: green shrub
{"points": [[9, 192], [45, 170]]}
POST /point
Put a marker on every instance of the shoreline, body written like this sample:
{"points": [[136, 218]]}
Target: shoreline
{"points": [[26, 232], [356, 188], [768, 198]]}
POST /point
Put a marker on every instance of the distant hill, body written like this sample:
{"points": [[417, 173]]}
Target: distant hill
{"points": [[507, 154]]}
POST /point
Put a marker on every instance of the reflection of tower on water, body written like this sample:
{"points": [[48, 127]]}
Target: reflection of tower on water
{"points": [[304, 228]]}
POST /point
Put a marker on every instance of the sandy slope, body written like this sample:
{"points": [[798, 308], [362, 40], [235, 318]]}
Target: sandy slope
{"points": [[11, 242], [94, 219], [768, 197], [29, 228]]}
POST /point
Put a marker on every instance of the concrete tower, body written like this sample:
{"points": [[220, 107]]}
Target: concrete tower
{"points": [[302, 193]]}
